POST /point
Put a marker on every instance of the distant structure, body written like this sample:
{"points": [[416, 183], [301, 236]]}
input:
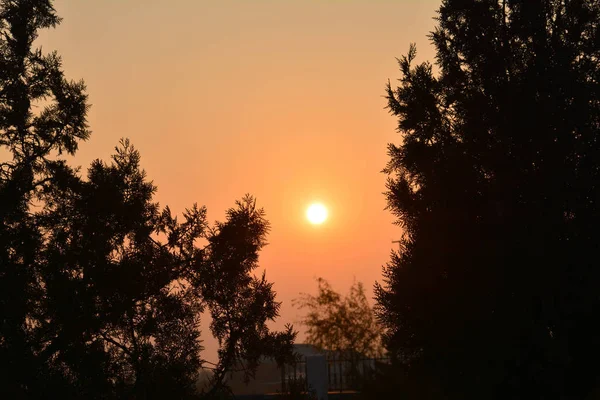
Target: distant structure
{"points": [[325, 372], [268, 377]]}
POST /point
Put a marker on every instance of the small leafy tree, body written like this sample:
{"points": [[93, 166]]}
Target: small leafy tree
{"points": [[341, 324]]}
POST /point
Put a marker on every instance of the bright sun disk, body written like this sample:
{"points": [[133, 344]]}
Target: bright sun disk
{"points": [[316, 213]]}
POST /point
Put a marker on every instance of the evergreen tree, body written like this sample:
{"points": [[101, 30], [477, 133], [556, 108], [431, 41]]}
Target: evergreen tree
{"points": [[101, 290], [41, 115], [240, 303], [123, 317], [496, 186]]}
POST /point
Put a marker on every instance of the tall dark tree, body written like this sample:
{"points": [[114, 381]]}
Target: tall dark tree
{"points": [[494, 293], [41, 115]]}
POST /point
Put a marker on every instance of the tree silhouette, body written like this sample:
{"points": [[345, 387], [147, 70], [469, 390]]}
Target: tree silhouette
{"points": [[118, 302], [346, 325], [495, 184], [41, 115], [101, 290], [240, 303]]}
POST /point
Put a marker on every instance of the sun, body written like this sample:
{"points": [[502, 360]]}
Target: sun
{"points": [[316, 213]]}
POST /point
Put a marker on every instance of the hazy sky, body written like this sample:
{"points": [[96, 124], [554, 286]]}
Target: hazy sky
{"points": [[281, 99]]}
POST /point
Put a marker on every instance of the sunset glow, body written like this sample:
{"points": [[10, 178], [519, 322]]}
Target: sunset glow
{"points": [[278, 112]]}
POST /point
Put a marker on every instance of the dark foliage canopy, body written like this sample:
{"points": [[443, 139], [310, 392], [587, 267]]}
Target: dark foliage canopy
{"points": [[101, 289], [496, 184]]}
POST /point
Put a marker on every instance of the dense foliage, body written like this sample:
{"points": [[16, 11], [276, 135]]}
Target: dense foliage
{"points": [[101, 290], [496, 184]]}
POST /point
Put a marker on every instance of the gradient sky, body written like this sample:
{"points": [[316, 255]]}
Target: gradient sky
{"points": [[281, 99]]}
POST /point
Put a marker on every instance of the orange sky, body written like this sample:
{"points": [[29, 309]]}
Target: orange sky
{"points": [[280, 99]]}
